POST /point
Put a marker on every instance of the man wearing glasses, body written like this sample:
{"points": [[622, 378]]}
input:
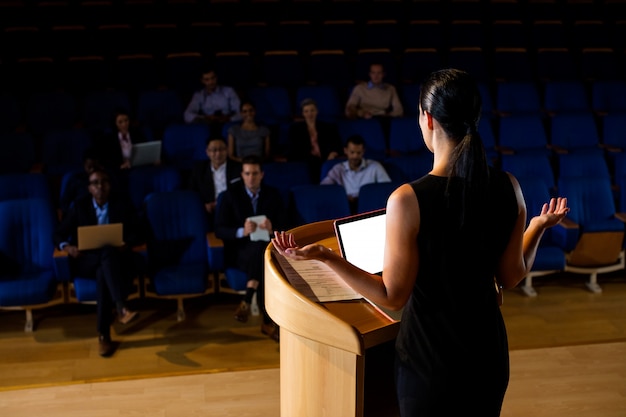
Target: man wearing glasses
{"points": [[112, 267]]}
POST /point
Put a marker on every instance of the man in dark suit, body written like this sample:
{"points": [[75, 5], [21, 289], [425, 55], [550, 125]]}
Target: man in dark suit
{"points": [[112, 267], [235, 223], [212, 176]]}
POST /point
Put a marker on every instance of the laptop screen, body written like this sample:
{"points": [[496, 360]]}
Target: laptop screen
{"points": [[361, 239], [146, 153]]}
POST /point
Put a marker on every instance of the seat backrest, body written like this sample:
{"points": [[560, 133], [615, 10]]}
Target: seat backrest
{"points": [[157, 109], [285, 175], [26, 235], [568, 95], [405, 136], [63, 150], [315, 202], [147, 179], [583, 164], [176, 228], [183, 144], [24, 185], [374, 196], [522, 133], [574, 131], [608, 96], [530, 165], [518, 97], [591, 203], [407, 168], [614, 130]]}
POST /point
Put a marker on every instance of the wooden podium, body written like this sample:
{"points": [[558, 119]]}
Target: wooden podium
{"points": [[336, 358]]}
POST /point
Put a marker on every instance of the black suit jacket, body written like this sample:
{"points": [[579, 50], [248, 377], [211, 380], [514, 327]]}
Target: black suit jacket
{"points": [[299, 147], [201, 178], [82, 213], [235, 207]]}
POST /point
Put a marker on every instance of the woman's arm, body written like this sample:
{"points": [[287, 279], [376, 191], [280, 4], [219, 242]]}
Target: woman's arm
{"points": [[401, 260], [519, 255]]}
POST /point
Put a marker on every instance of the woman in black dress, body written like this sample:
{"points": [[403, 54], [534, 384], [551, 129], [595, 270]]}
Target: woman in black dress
{"points": [[448, 235]]}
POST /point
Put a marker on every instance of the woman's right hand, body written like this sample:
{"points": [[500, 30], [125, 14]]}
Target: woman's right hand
{"points": [[552, 213], [286, 245]]}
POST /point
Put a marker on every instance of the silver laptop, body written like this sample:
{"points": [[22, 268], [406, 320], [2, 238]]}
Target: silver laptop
{"points": [[98, 236], [361, 239], [146, 153]]}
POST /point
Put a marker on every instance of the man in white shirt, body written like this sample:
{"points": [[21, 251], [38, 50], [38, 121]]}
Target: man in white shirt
{"points": [[356, 170], [215, 104], [211, 177]]}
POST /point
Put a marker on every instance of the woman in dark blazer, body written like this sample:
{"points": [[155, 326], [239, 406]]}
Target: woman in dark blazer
{"points": [[313, 141]]}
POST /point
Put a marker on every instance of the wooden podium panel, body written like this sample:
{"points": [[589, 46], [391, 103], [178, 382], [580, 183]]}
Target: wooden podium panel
{"points": [[331, 353]]}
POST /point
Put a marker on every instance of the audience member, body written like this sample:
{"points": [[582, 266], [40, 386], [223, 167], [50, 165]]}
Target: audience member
{"points": [[214, 104], [112, 267], [246, 208], [248, 138], [356, 170], [313, 141], [115, 147], [213, 176], [374, 98]]}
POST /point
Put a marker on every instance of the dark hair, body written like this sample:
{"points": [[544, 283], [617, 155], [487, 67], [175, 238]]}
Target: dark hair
{"points": [[355, 140], [307, 102], [248, 102], [252, 160], [216, 137], [452, 97]]}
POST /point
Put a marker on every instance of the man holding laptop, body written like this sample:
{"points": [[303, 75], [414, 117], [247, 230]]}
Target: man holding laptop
{"points": [[96, 232]]}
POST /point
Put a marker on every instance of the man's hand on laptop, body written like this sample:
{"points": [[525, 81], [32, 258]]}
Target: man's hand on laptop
{"points": [[71, 250]]}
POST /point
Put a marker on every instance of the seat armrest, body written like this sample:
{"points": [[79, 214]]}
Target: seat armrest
{"points": [[61, 265], [621, 217], [215, 251]]}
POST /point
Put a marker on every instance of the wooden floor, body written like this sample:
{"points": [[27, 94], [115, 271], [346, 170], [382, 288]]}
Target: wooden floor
{"points": [[568, 358]]}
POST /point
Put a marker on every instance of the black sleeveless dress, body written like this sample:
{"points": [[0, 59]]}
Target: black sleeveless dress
{"points": [[452, 333]]}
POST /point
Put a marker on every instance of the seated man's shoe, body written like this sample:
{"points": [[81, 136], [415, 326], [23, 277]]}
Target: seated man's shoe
{"points": [[126, 316], [243, 312], [271, 330], [105, 346]]}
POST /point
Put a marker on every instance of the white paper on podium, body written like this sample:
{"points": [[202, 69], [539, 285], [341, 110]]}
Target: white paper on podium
{"points": [[316, 281], [259, 234]]}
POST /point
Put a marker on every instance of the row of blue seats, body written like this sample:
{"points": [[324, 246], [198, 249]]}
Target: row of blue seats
{"points": [[32, 276]]}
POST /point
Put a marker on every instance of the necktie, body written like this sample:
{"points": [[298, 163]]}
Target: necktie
{"points": [[255, 200]]}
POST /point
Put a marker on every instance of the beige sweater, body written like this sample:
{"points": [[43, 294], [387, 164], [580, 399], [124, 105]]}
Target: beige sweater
{"points": [[379, 101]]}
